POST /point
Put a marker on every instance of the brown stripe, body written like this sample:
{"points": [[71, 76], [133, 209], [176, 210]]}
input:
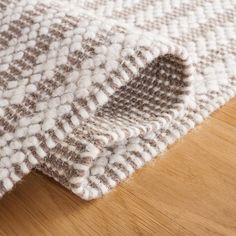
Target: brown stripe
{"points": [[112, 174], [16, 26], [55, 175], [3, 6], [121, 167], [102, 179], [6, 126], [215, 55]]}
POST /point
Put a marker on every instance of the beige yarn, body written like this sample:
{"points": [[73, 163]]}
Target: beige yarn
{"points": [[92, 90]]}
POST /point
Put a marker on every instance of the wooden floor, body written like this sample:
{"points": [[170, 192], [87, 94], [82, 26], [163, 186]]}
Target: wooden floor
{"points": [[190, 191]]}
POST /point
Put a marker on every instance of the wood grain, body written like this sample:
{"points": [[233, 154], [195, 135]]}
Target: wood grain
{"points": [[191, 190]]}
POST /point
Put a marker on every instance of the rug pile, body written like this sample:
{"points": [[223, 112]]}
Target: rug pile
{"points": [[92, 90]]}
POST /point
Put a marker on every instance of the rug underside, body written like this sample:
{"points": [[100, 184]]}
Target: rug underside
{"points": [[90, 91]]}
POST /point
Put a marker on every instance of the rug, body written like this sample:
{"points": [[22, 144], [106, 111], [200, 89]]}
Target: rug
{"points": [[90, 91]]}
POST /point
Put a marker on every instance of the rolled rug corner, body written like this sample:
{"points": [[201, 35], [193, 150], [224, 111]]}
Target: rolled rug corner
{"points": [[82, 98]]}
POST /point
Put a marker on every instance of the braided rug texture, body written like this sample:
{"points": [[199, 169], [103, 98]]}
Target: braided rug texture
{"points": [[92, 90]]}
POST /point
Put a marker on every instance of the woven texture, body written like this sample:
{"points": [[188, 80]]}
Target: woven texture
{"points": [[92, 90]]}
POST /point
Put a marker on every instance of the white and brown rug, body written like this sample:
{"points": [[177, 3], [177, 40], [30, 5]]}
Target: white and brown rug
{"points": [[92, 90]]}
